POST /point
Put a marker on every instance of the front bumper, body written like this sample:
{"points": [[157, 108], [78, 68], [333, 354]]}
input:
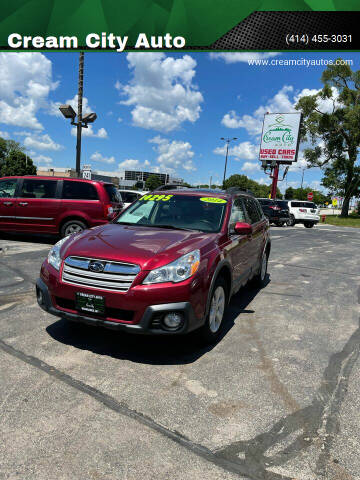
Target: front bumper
{"points": [[150, 322]]}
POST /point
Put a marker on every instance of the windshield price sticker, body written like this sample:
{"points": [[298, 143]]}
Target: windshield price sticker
{"points": [[212, 200], [156, 198]]}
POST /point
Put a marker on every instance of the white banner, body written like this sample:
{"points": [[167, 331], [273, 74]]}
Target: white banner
{"points": [[279, 138]]}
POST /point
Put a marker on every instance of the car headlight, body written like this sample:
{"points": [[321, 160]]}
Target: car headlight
{"points": [[54, 255], [177, 271]]}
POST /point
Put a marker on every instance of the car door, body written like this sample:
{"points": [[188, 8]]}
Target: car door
{"points": [[8, 219], [37, 205], [258, 223], [237, 248]]}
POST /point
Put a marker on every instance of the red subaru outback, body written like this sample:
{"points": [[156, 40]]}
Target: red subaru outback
{"points": [[168, 264], [55, 205]]}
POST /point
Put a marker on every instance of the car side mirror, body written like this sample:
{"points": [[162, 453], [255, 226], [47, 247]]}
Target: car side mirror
{"points": [[243, 228]]}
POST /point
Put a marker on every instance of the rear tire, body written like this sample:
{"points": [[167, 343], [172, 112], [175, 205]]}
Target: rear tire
{"points": [[72, 226], [259, 281], [291, 221], [214, 323], [309, 224]]}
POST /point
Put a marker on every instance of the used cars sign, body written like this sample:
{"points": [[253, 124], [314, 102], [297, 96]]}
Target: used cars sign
{"points": [[280, 137]]}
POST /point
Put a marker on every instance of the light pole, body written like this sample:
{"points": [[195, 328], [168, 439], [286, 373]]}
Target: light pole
{"points": [[82, 121], [227, 140]]}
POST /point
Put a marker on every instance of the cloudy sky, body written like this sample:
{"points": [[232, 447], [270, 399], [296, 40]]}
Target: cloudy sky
{"points": [[156, 111]]}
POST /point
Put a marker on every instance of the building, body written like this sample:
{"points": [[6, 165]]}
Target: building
{"points": [[125, 179], [57, 172]]}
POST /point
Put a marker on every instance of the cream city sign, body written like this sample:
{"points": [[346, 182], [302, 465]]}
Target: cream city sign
{"points": [[279, 138]]}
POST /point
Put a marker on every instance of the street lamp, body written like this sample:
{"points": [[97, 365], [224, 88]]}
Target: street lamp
{"points": [[82, 121], [227, 140]]}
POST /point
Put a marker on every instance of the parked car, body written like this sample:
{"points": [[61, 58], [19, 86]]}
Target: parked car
{"points": [[168, 264], [55, 205], [277, 211], [303, 212], [130, 196]]}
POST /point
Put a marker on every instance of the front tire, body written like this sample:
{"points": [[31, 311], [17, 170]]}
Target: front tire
{"points": [[309, 224], [72, 226], [214, 323]]}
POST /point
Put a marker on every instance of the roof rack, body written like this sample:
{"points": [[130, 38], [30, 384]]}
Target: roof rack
{"points": [[233, 190]]}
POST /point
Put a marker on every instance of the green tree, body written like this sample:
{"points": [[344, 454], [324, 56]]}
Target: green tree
{"points": [[334, 132], [245, 183], [16, 163], [152, 182], [289, 193], [13, 160]]}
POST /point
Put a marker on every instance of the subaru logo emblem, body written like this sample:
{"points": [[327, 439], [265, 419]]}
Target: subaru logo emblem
{"points": [[97, 267]]}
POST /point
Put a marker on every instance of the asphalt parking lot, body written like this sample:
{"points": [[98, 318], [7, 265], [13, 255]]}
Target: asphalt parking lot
{"points": [[277, 398]]}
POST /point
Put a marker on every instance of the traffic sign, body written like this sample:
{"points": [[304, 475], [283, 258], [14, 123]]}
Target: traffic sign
{"points": [[310, 196], [334, 202]]}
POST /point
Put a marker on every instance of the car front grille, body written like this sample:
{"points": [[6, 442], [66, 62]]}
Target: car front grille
{"points": [[112, 276]]}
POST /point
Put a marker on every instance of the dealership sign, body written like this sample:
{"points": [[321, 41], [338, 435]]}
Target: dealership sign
{"points": [[280, 137]]}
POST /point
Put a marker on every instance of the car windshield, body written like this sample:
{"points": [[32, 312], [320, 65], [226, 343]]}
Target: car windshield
{"points": [[282, 203], [182, 212]]}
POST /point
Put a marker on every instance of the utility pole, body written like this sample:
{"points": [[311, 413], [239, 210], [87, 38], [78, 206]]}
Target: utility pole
{"points": [[227, 140], [210, 182], [302, 178], [79, 112]]}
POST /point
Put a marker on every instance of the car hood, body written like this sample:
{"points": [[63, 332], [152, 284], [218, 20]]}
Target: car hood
{"points": [[145, 246]]}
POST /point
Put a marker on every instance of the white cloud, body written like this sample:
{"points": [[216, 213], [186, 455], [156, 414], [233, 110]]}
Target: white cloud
{"points": [[283, 101], [23, 133], [97, 157], [253, 123], [161, 91], [89, 132], [130, 164], [241, 151], [173, 154], [42, 142], [119, 119], [25, 83], [250, 167], [4, 135], [42, 160], [263, 180], [235, 57]]}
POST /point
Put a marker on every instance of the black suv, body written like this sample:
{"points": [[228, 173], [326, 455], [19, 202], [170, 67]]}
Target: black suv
{"points": [[277, 211]]}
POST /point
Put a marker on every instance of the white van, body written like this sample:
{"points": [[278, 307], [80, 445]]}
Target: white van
{"points": [[304, 212]]}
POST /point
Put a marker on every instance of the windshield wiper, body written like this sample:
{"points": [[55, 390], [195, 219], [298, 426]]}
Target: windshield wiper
{"points": [[173, 227]]}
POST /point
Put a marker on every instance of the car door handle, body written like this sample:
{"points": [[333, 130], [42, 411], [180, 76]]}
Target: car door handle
{"points": [[7, 204], [23, 204]]}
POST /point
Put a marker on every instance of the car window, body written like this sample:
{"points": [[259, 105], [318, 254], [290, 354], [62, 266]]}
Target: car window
{"points": [[252, 210], [264, 201], [259, 208], [130, 197], [79, 191], [38, 189], [7, 188], [237, 214], [309, 205], [113, 193]]}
